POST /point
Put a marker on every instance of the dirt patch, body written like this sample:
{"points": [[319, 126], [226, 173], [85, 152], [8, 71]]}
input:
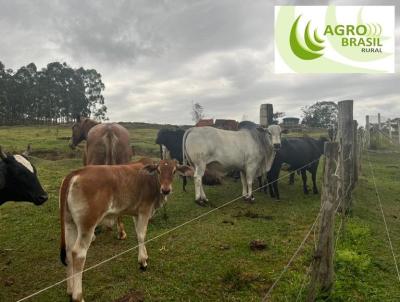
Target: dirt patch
{"points": [[9, 281], [236, 279], [132, 296], [250, 214], [258, 245], [53, 154]]}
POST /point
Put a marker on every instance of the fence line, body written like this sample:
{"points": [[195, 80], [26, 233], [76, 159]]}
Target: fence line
{"points": [[390, 139], [158, 236], [293, 256], [308, 271], [384, 218]]}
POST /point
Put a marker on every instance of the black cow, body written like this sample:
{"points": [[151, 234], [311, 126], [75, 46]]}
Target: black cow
{"points": [[171, 139], [18, 180], [297, 153]]}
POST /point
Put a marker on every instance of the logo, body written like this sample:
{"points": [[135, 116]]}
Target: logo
{"points": [[312, 46], [334, 39]]}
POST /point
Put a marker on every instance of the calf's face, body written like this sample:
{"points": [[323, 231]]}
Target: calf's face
{"points": [[77, 134], [276, 134], [21, 182], [166, 170]]}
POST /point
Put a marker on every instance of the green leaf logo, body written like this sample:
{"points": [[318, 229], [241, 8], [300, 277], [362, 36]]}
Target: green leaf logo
{"points": [[310, 50]]}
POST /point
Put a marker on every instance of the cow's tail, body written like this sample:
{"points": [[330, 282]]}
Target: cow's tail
{"points": [[110, 142], [63, 197], [161, 152], [185, 157]]}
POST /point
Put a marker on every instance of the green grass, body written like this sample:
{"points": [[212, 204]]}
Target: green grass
{"points": [[210, 258]]}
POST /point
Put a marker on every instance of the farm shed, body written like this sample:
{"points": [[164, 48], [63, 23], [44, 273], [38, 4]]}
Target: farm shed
{"points": [[290, 121], [226, 124], [205, 122]]}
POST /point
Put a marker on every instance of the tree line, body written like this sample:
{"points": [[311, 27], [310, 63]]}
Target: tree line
{"points": [[54, 94]]}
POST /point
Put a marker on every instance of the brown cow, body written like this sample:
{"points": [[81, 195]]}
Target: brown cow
{"points": [[96, 194], [106, 144], [80, 130]]}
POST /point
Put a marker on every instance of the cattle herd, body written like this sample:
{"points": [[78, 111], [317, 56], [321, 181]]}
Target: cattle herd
{"points": [[110, 185]]}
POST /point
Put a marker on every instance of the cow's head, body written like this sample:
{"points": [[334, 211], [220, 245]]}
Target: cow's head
{"points": [[166, 170], [20, 182], [276, 132], [80, 130]]}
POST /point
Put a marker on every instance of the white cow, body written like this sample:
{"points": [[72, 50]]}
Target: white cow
{"points": [[249, 150]]}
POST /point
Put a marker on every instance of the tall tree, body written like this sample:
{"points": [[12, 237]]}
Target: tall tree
{"points": [[197, 112], [277, 115], [320, 114], [56, 93]]}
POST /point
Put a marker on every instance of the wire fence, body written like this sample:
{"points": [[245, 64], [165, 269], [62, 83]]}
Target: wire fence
{"points": [[161, 235], [311, 229], [383, 218]]}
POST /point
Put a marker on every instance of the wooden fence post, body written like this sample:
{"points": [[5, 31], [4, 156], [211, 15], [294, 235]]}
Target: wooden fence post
{"points": [[345, 125], [322, 270], [361, 141], [398, 129], [355, 153], [367, 126], [389, 122], [379, 128]]}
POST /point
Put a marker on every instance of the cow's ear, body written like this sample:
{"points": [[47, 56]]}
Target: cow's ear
{"points": [[3, 156], [185, 170], [261, 129], [285, 131], [150, 168], [27, 152], [266, 130]]}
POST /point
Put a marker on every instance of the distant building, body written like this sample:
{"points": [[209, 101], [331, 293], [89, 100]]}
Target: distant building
{"points": [[291, 121], [226, 124], [205, 122]]}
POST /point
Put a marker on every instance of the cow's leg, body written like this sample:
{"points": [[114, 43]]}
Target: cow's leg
{"points": [[141, 222], [261, 184], [249, 181], [276, 188], [273, 183], [270, 179], [79, 252], [291, 178], [200, 196], [121, 229], [70, 239], [202, 193], [259, 178], [314, 169], [244, 184], [304, 177], [250, 176], [184, 183]]}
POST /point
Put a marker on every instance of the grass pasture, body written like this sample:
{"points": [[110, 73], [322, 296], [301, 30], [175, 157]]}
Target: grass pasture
{"points": [[208, 259]]}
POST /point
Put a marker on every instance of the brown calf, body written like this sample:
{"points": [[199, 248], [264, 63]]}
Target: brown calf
{"points": [[97, 194], [106, 144]]}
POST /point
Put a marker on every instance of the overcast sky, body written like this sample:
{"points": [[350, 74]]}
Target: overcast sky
{"points": [[157, 57]]}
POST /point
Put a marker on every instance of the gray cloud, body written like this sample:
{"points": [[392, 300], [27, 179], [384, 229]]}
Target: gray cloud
{"points": [[157, 57]]}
